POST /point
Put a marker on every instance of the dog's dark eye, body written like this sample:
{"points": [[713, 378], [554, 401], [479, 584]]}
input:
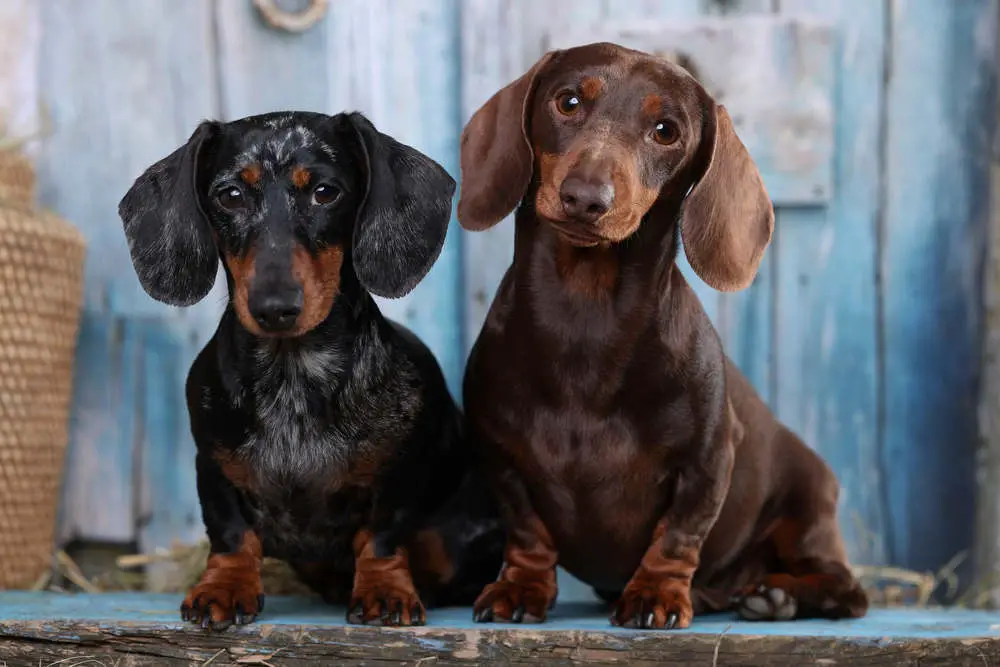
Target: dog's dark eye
{"points": [[325, 194], [231, 199], [666, 133], [568, 103]]}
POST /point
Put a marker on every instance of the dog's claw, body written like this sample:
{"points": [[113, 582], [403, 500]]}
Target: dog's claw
{"points": [[518, 615], [415, 618], [484, 616], [650, 620], [671, 621], [260, 603]]}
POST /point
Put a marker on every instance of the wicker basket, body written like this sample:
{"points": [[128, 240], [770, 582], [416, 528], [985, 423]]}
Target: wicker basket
{"points": [[41, 278]]}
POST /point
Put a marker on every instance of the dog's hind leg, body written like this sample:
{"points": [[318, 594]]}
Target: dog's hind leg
{"points": [[813, 578]]}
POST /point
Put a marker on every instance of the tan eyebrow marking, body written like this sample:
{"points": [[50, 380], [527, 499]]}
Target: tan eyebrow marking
{"points": [[251, 174]]}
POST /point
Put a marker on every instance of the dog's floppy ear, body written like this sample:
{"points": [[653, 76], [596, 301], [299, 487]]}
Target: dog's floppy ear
{"points": [[169, 237], [403, 220], [496, 155], [727, 218]]}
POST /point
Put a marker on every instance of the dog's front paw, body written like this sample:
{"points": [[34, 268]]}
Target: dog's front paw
{"points": [[391, 601], [223, 598], [654, 605], [524, 601]]}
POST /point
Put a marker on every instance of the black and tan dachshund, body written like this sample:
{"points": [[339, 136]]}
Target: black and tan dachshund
{"points": [[326, 435]]}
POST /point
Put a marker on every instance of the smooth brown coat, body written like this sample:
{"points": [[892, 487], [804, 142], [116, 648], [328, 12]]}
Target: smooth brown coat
{"points": [[622, 443]]}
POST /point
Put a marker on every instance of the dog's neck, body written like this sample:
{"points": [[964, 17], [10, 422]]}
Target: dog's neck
{"points": [[606, 273], [306, 371], [295, 388]]}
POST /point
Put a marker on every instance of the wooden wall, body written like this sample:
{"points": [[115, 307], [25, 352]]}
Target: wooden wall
{"points": [[869, 120], [987, 546]]}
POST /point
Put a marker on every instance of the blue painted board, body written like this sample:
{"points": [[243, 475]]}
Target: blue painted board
{"points": [[123, 87], [167, 497], [826, 299], [744, 322], [162, 609], [744, 319], [97, 485], [940, 115], [399, 64], [250, 53]]}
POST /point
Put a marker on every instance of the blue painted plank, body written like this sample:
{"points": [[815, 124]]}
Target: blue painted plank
{"points": [[97, 485], [745, 318], [497, 47], [939, 119], [399, 64], [265, 69], [124, 86], [827, 382], [168, 509], [160, 610], [744, 322]]}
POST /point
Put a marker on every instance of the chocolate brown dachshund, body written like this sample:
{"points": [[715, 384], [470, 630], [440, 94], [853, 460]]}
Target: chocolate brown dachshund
{"points": [[622, 443]]}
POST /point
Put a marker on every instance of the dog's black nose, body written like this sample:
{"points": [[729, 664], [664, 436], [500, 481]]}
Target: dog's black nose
{"points": [[276, 313], [586, 201]]}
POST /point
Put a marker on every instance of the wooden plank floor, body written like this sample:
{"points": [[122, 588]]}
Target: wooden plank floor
{"points": [[139, 629]]}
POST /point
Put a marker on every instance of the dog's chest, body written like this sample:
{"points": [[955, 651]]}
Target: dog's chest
{"points": [[295, 451], [306, 523], [590, 462], [598, 488], [293, 437]]}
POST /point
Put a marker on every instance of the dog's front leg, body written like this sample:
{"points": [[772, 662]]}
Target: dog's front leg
{"points": [[526, 588], [230, 589], [383, 592], [659, 593]]}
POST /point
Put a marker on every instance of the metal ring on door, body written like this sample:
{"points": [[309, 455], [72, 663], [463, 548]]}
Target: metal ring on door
{"points": [[291, 21]]}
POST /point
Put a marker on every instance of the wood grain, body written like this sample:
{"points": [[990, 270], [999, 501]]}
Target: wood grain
{"points": [[936, 217], [826, 309], [144, 630], [987, 533], [399, 64], [123, 88]]}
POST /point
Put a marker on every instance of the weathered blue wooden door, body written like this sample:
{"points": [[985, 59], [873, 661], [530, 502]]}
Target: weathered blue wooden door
{"points": [[868, 119]]}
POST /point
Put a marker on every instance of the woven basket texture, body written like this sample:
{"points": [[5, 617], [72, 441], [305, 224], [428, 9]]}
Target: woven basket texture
{"points": [[41, 291]]}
